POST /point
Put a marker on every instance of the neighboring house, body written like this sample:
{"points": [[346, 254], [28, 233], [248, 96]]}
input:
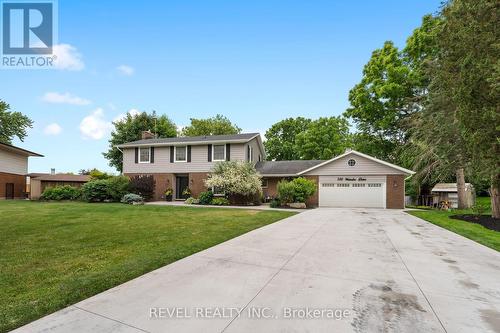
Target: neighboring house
{"points": [[13, 171], [447, 192], [352, 179], [39, 182], [185, 162]]}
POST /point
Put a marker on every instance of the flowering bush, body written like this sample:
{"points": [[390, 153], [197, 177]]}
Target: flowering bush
{"points": [[236, 179]]}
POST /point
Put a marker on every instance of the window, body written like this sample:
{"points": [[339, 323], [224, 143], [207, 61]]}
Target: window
{"points": [[217, 192], [219, 153], [358, 185], [250, 153], [260, 157], [351, 162], [328, 185], [343, 185], [180, 154], [144, 155], [375, 185], [264, 182]]}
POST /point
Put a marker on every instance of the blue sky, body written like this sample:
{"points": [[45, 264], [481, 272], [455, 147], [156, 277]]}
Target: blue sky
{"points": [[255, 62]]}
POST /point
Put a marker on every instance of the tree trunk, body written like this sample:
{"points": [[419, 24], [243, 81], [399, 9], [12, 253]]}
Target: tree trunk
{"points": [[495, 198], [461, 188]]}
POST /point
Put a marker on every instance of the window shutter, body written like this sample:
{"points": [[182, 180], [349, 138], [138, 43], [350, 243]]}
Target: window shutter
{"points": [[228, 151], [152, 157], [171, 154], [210, 153], [188, 154], [136, 154], [248, 153]]}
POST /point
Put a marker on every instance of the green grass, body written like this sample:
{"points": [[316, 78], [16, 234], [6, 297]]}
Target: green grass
{"points": [[472, 231], [55, 254]]}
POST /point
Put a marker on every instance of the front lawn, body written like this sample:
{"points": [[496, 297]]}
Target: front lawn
{"points": [[472, 231], [55, 254]]}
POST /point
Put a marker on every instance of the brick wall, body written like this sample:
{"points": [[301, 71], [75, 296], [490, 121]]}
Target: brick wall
{"points": [[162, 180], [395, 195], [313, 201], [197, 183], [19, 182]]}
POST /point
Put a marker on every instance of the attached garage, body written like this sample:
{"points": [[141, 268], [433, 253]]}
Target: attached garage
{"points": [[355, 180], [352, 179]]}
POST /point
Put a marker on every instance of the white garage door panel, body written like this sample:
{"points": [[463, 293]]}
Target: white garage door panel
{"points": [[335, 193]]}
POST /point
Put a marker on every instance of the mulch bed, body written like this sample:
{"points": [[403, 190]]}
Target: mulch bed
{"points": [[485, 220]]}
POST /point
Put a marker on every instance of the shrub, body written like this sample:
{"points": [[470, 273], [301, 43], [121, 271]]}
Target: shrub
{"points": [[110, 189], [220, 201], [65, 192], [206, 198], [297, 190], [131, 198], [117, 187], [238, 180], [192, 201], [143, 185], [95, 191], [275, 203], [97, 174], [478, 209]]}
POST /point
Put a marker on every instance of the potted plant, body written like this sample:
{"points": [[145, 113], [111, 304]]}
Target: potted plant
{"points": [[186, 193], [168, 194]]}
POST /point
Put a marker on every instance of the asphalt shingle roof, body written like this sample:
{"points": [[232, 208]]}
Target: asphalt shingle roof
{"points": [[201, 139], [285, 167]]}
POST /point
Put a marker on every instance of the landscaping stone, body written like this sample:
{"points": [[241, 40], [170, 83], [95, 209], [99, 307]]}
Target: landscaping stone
{"points": [[297, 205]]}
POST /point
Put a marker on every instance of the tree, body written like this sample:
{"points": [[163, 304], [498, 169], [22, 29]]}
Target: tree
{"points": [[323, 139], [280, 138], [238, 179], [218, 125], [468, 73], [12, 124], [130, 129], [381, 102]]}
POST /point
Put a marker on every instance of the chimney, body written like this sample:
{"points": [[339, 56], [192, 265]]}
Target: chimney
{"points": [[147, 135], [53, 171]]}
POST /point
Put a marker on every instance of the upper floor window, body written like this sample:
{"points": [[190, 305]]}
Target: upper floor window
{"points": [[144, 154], [249, 153], [181, 154], [219, 152]]}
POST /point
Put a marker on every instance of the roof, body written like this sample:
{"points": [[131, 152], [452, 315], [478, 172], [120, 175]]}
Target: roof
{"points": [[449, 187], [354, 152], [17, 150], [60, 177], [242, 138], [285, 168]]}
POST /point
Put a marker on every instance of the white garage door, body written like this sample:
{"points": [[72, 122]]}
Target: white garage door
{"points": [[363, 192]]}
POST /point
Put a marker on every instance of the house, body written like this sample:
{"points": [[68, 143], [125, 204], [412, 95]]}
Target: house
{"points": [[352, 179], [13, 171], [38, 182], [447, 192]]}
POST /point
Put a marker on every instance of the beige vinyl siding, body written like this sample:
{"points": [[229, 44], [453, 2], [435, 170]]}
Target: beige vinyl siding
{"points": [[13, 163], [199, 160], [363, 166], [256, 150]]}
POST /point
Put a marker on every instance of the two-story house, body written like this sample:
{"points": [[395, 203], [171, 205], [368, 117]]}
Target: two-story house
{"points": [[351, 179], [13, 171], [185, 162]]}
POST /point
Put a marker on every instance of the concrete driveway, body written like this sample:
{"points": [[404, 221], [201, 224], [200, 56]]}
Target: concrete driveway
{"points": [[325, 270]]}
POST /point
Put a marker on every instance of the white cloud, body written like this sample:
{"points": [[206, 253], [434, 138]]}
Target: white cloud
{"points": [[66, 98], [122, 116], [94, 126], [52, 129], [67, 57], [125, 70]]}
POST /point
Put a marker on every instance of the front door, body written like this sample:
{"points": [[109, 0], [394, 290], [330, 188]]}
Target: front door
{"points": [[9, 191], [181, 183]]}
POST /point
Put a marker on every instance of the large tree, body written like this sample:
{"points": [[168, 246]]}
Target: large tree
{"points": [[12, 124], [130, 129], [217, 125], [323, 139], [467, 71], [280, 138]]}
